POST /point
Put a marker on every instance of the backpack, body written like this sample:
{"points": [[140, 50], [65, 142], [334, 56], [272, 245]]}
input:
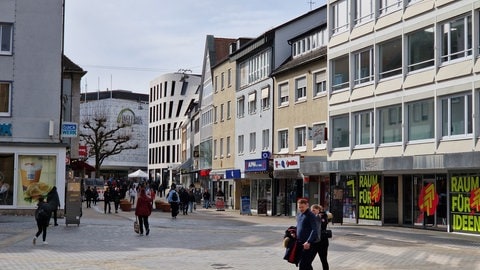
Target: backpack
{"points": [[174, 196], [42, 212]]}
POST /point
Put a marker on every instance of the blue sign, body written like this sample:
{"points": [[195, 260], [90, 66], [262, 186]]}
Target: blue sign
{"points": [[69, 129], [245, 209], [256, 165], [233, 174], [6, 130]]}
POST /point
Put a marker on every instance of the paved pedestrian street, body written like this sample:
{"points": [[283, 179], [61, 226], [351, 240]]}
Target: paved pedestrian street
{"points": [[209, 239]]}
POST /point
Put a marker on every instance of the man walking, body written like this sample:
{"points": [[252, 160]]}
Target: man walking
{"points": [[306, 234]]}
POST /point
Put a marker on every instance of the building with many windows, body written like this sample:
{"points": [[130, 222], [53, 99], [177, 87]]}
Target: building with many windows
{"points": [[403, 101]]}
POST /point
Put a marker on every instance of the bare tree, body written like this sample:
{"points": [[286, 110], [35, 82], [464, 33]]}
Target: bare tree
{"points": [[105, 139]]}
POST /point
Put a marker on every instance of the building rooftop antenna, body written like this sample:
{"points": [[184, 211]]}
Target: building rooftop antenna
{"points": [[311, 4]]}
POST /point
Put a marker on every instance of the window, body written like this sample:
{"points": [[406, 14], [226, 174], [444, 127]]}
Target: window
{"points": [[390, 58], [240, 107], [301, 89], [457, 39], [318, 134], [283, 141], [364, 128], [457, 115], [363, 11], [216, 84], [221, 147], [420, 120], [309, 43], [301, 139], [221, 113], [363, 66], [229, 77], [240, 144], [265, 98], [340, 130], [253, 142], [340, 74], [215, 149], [319, 83], [340, 17], [265, 139], [252, 103], [229, 107], [421, 49], [228, 147], [255, 68], [283, 94], [5, 94], [6, 37], [390, 124], [388, 6], [215, 114], [222, 81]]}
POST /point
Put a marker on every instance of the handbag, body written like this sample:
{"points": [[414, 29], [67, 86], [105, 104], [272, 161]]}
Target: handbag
{"points": [[327, 233], [136, 226]]}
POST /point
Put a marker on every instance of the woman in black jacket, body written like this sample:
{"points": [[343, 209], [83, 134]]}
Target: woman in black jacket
{"points": [[321, 246], [54, 203]]}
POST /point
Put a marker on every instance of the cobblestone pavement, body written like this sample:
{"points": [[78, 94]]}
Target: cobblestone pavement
{"points": [[209, 239]]}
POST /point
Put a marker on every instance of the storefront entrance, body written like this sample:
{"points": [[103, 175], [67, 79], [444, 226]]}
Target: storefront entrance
{"points": [[390, 200]]}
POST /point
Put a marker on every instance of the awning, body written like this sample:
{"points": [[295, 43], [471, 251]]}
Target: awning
{"points": [[78, 165], [185, 166]]}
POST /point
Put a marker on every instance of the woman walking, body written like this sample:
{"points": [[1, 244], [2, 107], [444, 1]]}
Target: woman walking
{"points": [[321, 246], [42, 216], [143, 211]]}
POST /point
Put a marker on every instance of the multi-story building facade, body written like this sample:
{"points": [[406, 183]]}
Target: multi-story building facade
{"points": [[170, 97], [32, 155], [403, 104], [300, 120], [119, 107], [254, 103]]}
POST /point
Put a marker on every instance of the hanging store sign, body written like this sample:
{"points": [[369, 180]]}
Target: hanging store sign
{"points": [[286, 163]]}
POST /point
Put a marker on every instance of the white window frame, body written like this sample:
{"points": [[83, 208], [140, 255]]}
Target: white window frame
{"points": [[417, 51], [221, 147], [319, 83], [215, 149], [363, 74], [318, 139], [241, 107], [253, 142], [6, 40], [228, 147], [265, 101], [283, 141], [340, 132], [338, 82], [252, 102], [301, 88], [446, 33], [466, 123], [265, 139], [241, 144], [301, 139], [364, 11], [389, 6], [364, 127], [340, 16], [283, 93]]}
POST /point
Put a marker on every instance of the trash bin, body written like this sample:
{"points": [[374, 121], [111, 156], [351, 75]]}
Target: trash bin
{"points": [[73, 202]]}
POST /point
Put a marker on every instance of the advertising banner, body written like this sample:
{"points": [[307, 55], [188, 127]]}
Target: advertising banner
{"points": [[37, 176], [465, 203]]}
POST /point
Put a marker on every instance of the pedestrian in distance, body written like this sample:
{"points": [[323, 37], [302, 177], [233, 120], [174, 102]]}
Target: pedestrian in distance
{"points": [[116, 197], [184, 201], [206, 199], [306, 234], [106, 201], [174, 200], [42, 217], [191, 200], [320, 247], [95, 195], [89, 197], [54, 202], [143, 210], [132, 192]]}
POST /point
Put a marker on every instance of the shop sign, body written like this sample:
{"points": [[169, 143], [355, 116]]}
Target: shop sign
{"points": [[369, 197], [232, 174], [6, 130], [82, 150], [286, 163], [465, 203], [256, 165], [69, 130]]}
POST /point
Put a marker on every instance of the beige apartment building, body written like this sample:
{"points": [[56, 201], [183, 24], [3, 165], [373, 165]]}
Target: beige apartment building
{"points": [[403, 95], [300, 119]]}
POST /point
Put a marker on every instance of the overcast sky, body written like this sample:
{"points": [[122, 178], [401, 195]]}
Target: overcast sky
{"points": [[125, 44]]}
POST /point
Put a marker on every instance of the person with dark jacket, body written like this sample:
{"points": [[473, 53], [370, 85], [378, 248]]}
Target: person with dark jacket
{"points": [[184, 201], [89, 196], [42, 217], [106, 200], [321, 245], [206, 199], [306, 234], [143, 210], [174, 200], [115, 196], [54, 202]]}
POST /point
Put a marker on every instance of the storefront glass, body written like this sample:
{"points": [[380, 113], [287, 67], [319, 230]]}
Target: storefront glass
{"points": [[36, 177], [465, 202], [6, 179]]}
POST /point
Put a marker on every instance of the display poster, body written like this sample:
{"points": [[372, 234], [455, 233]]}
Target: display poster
{"points": [[369, 197], [6, 179], [245, 209], [465, 203], [36, 177]]}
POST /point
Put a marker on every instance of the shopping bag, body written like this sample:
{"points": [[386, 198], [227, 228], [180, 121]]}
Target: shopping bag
{"points": [[136, 226]]}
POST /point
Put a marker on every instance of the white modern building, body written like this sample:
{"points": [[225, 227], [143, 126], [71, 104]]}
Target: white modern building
{"points": [[170, 97]]}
